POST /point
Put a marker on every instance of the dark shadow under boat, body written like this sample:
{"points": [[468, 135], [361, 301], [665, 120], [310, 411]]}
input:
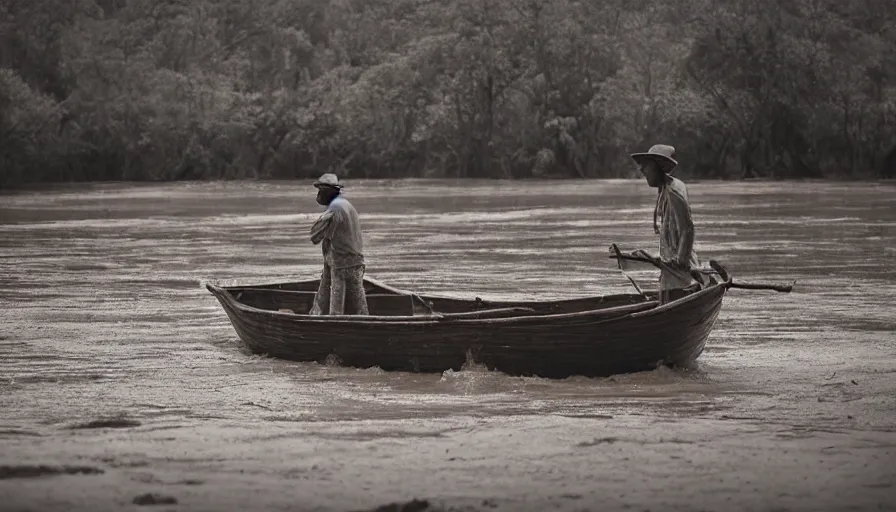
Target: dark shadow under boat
{"points": [[592, 336]]}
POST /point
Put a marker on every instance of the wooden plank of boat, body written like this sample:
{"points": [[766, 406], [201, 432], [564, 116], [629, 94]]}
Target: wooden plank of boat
{"points": [[278, 297]]}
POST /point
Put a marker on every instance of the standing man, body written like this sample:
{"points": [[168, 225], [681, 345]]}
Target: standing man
{"points": [[338, 230], [676, 228]]}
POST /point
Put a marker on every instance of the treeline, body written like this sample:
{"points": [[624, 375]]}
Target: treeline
{"points": [[207, 89]]}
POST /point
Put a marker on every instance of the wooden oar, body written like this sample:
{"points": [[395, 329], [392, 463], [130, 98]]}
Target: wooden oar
{"points": [[619, 258], [642, 256], [485, 313], [426, 304], [782, 288]]}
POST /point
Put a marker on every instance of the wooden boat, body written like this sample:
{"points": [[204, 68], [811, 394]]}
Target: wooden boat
{"points": [[592, 336]]}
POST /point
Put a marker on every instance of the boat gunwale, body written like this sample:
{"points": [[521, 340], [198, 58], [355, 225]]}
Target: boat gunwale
{"points": [[383, 287], [418, 320]]}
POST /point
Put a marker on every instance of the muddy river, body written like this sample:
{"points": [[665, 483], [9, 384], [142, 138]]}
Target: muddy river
{"points": [[122, 382]]}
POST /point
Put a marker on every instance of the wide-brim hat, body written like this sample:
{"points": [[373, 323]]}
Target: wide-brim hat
{"points": [[659, 153], [328, 180]]}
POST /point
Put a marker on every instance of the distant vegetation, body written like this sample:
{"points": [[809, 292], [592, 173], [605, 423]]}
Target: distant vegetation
{"points": [[209, 89]]}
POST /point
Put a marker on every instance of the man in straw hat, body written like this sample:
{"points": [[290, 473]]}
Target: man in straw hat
{"points": [[676, 228], [338, 230]]}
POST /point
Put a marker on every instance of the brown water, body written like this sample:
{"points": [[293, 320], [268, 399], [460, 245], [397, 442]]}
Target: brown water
{"points": [[791, 407]]}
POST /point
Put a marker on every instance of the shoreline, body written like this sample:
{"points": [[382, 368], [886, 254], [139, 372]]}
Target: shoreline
{"points": [[81, 185]]}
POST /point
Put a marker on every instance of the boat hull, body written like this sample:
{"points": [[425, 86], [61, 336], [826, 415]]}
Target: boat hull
{"points": [[598, 342]]}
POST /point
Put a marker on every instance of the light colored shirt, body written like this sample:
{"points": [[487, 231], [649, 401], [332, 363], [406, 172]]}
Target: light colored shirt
{"points": [[676, 231], [338, 230]]}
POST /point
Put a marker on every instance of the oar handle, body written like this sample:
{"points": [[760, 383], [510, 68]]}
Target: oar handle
{"points": [[659, 263]]}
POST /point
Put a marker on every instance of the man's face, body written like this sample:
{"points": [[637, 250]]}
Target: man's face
{"points": [[326, 194], [653, 173]]}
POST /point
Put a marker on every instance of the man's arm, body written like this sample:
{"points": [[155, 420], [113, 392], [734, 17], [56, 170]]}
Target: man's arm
{"points": [[681, 210], [323, 227]]}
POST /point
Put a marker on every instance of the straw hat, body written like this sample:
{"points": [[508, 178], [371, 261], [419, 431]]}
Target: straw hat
{"points": [[328, 180], [659, 153]]}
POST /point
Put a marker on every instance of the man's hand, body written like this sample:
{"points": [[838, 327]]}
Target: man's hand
{"points": [[683, 265], [678, 265]]}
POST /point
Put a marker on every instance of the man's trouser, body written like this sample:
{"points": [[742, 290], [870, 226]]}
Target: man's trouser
{"points": [[341, 289], [674, 287]]}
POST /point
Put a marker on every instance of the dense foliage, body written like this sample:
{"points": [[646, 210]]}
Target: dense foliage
{"points": [[202, 89]]}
